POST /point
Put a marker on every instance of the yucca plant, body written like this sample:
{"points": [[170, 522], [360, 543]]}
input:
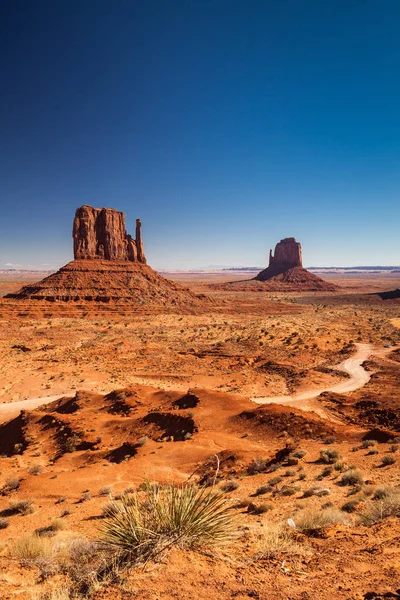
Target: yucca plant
{"points": [[171, 515]]}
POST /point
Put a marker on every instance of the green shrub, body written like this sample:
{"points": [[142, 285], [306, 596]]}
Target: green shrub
{"points": [[181, 516]]}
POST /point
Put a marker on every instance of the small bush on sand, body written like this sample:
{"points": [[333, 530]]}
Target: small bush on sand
{"points": [[22, 507], [310, 520], [386, 506], [11, 485], [387, 460], [263, 489], [351, 477], [30, 548], [277, 539], [382, 492], [257, 465], [4, 523], [299, 453], [351, 505], [329, 456], [229, 486], [181, 516], [35, 470], [330, 440], [368, 444]]}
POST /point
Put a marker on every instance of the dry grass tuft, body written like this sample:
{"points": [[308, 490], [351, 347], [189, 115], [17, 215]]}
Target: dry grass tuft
{"points": [[309, 520], [386, 504]]}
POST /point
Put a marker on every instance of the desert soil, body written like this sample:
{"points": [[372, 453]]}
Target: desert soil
{"points": [[268, 372]]}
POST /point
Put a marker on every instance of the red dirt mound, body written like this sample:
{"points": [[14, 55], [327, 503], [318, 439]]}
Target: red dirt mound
{"points": [[296, 279], [115, 282], [277, 419]]}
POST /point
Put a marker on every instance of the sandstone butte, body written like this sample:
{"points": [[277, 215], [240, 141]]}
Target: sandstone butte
{"points": [[110, 267], [285, 273]]}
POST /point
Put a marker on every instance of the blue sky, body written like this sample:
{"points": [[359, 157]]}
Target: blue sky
{"points": [[224, 125]]}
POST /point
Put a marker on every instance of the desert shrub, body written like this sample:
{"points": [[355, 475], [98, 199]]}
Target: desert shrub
{"points": [[85, 497], [393, 448], [277, 539], [387, 460], [292, 461], [339, 465], [299, 453], [4, 523], [368, 444], [35, 470], [182, 516], [11, 484], [61, 499], [229, 486], [143, 440], [58, 525], [310, 520], [330, 440], [302, 476], [263, 489], [61, 592], [289, 490], [327, 471], [22, 507], [351, 505], [382, 492], [290, 473], [373, 452], [387, 506], [72, 443], [351, 477], [106, 491], [257, 465], [32, 547], [329, 456], [311, 492], [275, 480]]}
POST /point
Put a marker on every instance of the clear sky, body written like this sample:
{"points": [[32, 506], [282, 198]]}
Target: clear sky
{"points": [[224, 125]]}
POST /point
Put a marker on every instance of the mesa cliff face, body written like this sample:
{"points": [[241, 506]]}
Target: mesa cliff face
{"points": [[288, 255], [109, 267], [100, 233]]}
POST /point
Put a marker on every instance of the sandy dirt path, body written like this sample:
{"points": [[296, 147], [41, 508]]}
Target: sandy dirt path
{"points": [[304, 400], [353, 366], [12, 409]]}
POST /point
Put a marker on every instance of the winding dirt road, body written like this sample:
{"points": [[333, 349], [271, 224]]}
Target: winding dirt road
{"points": [[353, 366], [304, 400]]}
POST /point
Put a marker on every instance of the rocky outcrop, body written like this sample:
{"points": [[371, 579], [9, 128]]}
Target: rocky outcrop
{"points": [[285, 273], [109, 268], [100, 233], [287, 256]]}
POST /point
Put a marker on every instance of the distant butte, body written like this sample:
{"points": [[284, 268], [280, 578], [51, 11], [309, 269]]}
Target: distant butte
{"points": [[110, 267], [288, 255], [285, 273]]}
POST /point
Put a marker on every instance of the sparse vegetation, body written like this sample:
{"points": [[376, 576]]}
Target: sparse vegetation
{"points": [[310, 520], [387, 460], [351, 477], [229, 486]]}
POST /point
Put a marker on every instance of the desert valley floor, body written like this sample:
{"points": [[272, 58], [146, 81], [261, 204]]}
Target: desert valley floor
{"points": [[254, 393]]}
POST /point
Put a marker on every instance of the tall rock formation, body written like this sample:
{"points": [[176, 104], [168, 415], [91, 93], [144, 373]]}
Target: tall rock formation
{"points": [[100, 233], [285, 273], [109, 267], [287, 256]]}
